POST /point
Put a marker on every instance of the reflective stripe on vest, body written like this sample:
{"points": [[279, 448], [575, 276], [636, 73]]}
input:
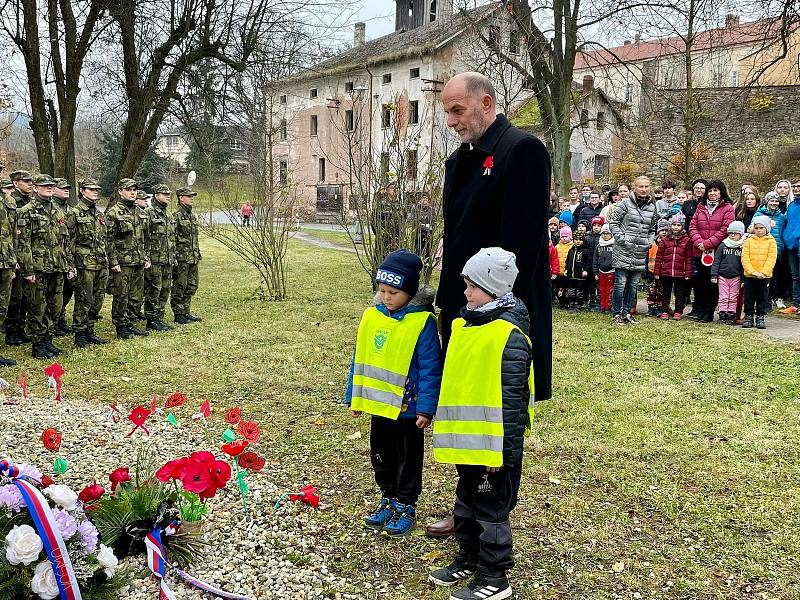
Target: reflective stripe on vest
{"points": [[384, 349], [468, 428]]}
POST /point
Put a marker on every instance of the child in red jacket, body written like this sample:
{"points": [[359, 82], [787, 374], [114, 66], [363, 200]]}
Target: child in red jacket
{"points": [[673, 266], [554, 264]]}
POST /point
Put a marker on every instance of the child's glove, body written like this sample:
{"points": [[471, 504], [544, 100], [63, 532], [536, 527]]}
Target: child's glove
{"points": [[714, 280]]}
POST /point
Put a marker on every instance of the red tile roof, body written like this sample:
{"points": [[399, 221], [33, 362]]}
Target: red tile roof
{"points": [[754, 32]]}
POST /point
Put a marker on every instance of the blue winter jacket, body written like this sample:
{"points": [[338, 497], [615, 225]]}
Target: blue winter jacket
{"points": [[425, 372], [791, 232], [780, 223]]}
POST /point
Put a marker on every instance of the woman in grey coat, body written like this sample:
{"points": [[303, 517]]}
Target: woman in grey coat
{"points": [[633, 226]]}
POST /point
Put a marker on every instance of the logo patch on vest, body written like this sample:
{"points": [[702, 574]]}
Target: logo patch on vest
{"points": [[380, 339]]}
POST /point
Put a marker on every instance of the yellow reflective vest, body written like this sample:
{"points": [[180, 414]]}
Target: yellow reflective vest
{"points": [[468, 429], [384, 349]]}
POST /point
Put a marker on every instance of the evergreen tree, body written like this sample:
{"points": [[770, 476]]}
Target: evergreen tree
{"points": [[152, 171]]}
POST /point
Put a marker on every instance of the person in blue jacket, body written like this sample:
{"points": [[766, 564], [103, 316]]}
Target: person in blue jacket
{"points": [[380, 363], [791, 241]]}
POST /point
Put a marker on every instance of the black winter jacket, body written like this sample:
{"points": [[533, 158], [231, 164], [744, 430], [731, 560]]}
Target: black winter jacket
{"points": [[573, 269], [601, 261], [514, 376], [589, 246], [727, 262]]}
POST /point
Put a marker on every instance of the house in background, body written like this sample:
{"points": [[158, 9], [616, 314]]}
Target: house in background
{"points": [[175, 144]]}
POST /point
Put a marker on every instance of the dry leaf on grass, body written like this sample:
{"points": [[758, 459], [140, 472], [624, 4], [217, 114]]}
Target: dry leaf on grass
{"points": [[432, 555], [618, 567], [355, 435]]}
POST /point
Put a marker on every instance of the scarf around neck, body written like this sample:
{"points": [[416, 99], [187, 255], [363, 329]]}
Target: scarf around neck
{"points": [[505, 301]]}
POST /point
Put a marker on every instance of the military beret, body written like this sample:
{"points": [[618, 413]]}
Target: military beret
{"points": [[43, 179], [185, 192], [126, 183], [21, 176], [161, 188], [4, 183], [62, 183], [89, 184]]}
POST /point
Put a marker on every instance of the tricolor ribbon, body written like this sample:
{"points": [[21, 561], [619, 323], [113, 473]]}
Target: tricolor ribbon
{"points": [[157, 562], [47, 529]]}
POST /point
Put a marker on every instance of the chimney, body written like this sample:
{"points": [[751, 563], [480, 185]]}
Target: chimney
{"points": [[731, 21], [626, 43], [360, 34], [588, 84], [638, 39]]}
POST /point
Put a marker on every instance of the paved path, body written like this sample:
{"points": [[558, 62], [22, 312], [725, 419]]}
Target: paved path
{"points": [[785, 329], [315, 241]]}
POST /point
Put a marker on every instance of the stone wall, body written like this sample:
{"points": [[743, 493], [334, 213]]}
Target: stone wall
{"points": [[732, 119]]}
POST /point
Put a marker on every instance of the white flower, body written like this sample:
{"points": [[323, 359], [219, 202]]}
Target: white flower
{"points": [[44, 581], [22, 545], [63, 496], [107, 560]]}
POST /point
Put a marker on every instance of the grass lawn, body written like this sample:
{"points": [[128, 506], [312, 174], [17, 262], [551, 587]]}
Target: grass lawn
{"points": [[667, 466]]}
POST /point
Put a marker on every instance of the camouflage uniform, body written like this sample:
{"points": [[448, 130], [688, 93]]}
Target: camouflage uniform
{"points": [[137, 289], [18, 303], [63, 203], [87, 228], [43, 250], [160, 240], [8, 259], [125, 229], [185, 277]]}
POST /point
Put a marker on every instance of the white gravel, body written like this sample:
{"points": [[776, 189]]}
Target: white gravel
{"points": [[270, 555]]}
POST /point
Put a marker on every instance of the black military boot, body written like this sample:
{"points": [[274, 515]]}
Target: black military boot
{"points": [[7, 362], [192, 317], [181, 319], [80, 340], [154, 325], [93, 339], [39, 350], [124, 333], [12, 337], [164, 326], [62, 328], [136, 331], [54, 350]]}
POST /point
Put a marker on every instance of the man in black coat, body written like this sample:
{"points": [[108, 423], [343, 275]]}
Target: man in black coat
{"points": [[496, 193]]}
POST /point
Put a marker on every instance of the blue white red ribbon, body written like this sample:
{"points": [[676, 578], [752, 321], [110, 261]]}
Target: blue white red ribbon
{"points": [[47, 529], [157, 561]]}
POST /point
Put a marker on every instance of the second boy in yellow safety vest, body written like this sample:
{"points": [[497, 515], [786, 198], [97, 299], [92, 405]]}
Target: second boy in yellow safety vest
{"points": [[395, 377], [485, 407]]}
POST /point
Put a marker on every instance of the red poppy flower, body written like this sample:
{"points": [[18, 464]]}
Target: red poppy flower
{"points": [[235, 448], [204, 456], [249, 430], [118, 476], [176, 399], [489, 162], [220, 473], [56, 371], [252, 462], [173, 469], [51, 439], [91, 493], [308, 495], [102, 221], [233, 415], [139, 415], [196, 477], [47, 481]]}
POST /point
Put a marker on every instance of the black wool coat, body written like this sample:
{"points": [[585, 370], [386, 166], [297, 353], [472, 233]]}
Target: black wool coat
{"points": [[506, 208]]}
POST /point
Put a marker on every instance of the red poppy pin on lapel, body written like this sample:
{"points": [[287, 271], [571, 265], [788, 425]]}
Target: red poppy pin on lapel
{"points": [[487, 165]]}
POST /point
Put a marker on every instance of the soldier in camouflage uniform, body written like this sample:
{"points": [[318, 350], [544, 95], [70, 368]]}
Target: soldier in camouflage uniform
{"points": [[61, 200], [160, 240], [127, 257], [44, 258], [87, 228], [18, 304], [185, 277], [7, 258]]}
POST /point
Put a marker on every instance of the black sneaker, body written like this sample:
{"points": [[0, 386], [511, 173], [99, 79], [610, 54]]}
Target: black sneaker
{"points": [[136, 331], [630, 320], [748, 322], [760, 322], [451, 574], [484, 588]]}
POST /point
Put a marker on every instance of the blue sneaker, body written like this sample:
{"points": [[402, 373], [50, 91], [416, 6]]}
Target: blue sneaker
{"points": [[381, 515], [403, 520]]}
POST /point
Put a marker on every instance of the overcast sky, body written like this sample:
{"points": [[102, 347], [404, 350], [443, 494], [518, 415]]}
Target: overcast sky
{"points": [[379, 17]]}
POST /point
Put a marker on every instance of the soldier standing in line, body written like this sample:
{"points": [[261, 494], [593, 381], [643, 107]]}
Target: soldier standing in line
{"points": [[185, 276], [7, 258], [44, 257], [136, 308], [61, 200], [160, 240], [18, 304], [87, 228], [127, 257]]}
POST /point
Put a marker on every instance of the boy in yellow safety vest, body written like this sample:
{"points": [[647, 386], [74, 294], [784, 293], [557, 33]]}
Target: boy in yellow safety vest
{"points": [[485, 407], [395, 377]]}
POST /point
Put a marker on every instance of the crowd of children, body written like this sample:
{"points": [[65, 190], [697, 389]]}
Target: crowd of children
{"points": [[752, 253], [479, 399]]}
